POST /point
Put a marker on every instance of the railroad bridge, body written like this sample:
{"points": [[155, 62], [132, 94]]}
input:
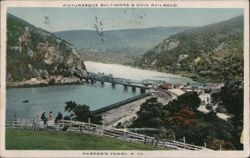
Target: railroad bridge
{"points": [[92, 78]]}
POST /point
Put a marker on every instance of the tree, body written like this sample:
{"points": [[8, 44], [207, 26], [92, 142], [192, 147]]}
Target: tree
{"points": [[189, 99], [150, 114], [180, 118], [231, 97], [81, 113], [184, 117]]}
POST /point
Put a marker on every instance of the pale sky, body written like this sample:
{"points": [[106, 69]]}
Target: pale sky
{"points": [[62, 19]]}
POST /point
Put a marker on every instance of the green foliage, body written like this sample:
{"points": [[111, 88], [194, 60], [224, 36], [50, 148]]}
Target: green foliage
{"points": [[214, 51], [81, 113], [189, 99], [150, 114], [231, 97], [180, 118], [222, 65]]}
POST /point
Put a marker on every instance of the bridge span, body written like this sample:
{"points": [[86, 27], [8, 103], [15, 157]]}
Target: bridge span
{"points": [[92, 78]]}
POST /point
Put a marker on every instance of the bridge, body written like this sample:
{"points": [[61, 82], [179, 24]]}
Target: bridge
{"points": [[92, 78]]}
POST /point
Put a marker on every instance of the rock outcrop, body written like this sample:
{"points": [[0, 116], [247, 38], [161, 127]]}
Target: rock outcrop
{"points": [[36, 53]]}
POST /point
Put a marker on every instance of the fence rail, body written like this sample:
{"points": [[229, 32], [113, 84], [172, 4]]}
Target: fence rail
{"points": [[89, 128]]}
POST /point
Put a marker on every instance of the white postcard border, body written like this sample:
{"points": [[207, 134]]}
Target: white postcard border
{"points": [[180, 4]]}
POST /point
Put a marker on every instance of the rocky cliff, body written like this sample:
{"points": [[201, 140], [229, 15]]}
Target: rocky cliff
{"points": [[36, 53]]}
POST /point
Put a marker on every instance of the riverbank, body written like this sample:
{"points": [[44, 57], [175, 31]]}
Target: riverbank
{"points": [[193, 76], [52, 81], [123, 111]]}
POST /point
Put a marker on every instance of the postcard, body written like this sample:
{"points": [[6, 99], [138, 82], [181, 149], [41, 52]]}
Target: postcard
{"points": [[116, 78]]}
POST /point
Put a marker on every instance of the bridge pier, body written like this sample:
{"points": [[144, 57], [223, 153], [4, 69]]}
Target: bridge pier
{"points": [[113, 84], [92, 81], [133, 89], [125, 87], [87, 81], [143, 91], [102, 83]]}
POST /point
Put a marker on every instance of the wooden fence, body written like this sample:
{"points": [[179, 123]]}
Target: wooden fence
{"points": [[89, 128]]}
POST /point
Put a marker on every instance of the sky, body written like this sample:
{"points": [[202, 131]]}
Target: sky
{"points": [[62, 19]]}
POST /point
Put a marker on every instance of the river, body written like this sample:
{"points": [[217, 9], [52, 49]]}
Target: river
{"points": [[129, 72], [53, 98]]}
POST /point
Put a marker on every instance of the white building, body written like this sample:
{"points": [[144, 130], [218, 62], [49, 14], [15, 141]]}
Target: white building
{"points": [[205, 98]]}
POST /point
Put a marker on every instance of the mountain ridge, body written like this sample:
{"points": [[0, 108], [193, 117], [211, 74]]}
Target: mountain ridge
{"points": [[203, 52], [124, 43], [128, 29]]}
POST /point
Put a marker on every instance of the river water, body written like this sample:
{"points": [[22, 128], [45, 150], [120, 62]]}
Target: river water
{"points": [[129, 72], [53, 98]]}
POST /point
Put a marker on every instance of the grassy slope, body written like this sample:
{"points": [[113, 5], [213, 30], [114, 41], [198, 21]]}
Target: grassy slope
{"points": [[51, 140]]}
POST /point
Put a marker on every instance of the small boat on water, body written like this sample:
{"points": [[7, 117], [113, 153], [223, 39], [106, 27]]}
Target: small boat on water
{"points": [[26, 101]]}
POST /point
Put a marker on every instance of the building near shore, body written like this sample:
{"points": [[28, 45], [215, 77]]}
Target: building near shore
{"points": [[205, 98], [177, 91]]}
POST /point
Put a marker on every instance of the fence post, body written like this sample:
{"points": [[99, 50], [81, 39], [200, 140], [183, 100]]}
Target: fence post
{"points": [[89, 120], [102, 129], [13, 124], [184, 141], [57, 127], [15, 120], [156, 143], [153, 141], [37, 123], [124, 134], [220, 147], [71, 123], [26, 124], [62, 125], [145, 139], [34, 124], [205, 144]]}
